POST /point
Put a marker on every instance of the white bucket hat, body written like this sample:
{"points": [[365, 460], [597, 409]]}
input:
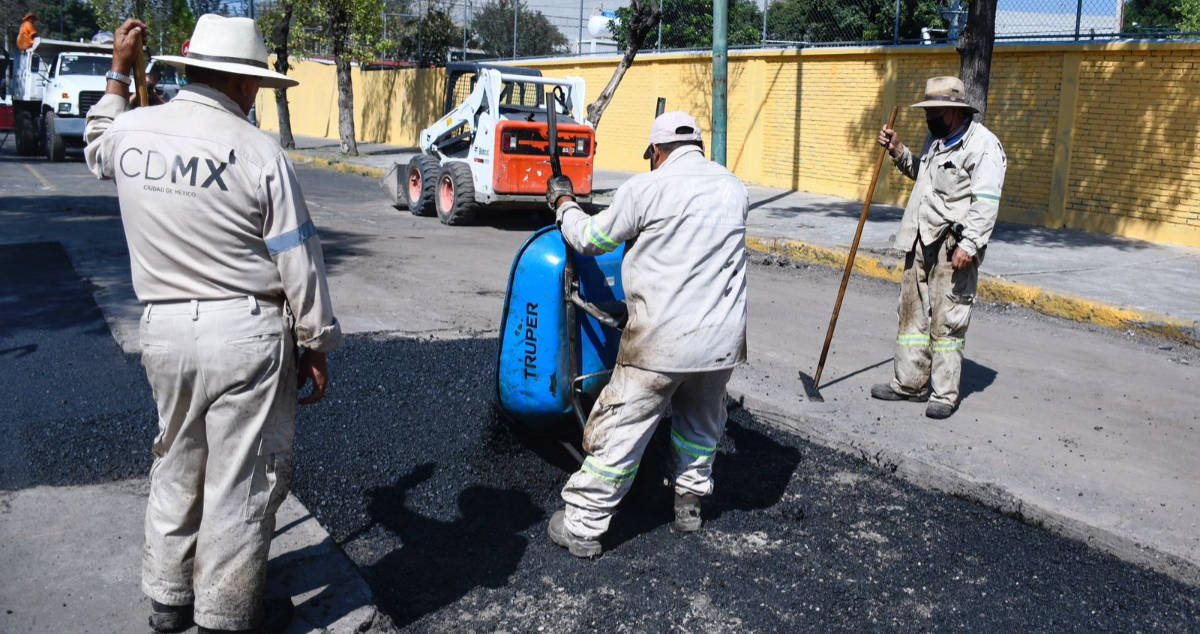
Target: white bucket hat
{"points": [[229, 45], [670, 127]]}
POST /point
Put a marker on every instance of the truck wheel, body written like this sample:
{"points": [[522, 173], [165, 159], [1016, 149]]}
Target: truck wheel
{"points": [[419, 185], [56, 148], [455, 197], [26, 132]]}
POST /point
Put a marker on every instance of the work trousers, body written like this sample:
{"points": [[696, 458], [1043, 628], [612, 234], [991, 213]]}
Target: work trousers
{"points": [[223, 375], [934, 311], [621, 425]]}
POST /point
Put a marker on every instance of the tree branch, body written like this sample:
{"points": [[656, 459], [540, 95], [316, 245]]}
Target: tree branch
{"points": [[645, 18]]}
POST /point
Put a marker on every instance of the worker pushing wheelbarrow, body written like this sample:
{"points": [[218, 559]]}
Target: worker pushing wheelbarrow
{"points": [[672, 245]]}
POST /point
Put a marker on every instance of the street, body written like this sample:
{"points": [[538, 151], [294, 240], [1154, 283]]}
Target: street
{"points": [[442, 505]]}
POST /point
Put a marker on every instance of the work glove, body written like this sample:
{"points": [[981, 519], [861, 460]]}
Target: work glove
{"points": [[557, 187]]}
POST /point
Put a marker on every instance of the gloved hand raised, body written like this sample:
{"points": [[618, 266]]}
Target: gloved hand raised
{"points": [[556, 188]]}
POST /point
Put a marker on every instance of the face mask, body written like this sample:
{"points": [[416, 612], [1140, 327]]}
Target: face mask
{"points": [[938, 127]]}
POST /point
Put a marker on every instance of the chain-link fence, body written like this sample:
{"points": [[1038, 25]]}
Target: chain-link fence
{"points": [[433, 32]]}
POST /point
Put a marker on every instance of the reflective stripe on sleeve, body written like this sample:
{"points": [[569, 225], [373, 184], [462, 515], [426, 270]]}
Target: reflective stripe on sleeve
{"points": [[989, 196], [606, 473], [291, 239], [913, 340], [948, 345], [691, 448], [599, 238]]}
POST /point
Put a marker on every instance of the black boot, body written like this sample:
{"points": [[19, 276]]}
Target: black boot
{"points": [[170, 618], [687, 513]]}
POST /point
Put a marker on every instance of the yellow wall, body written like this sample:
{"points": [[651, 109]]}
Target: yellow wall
{"points": [[1099, 137]]}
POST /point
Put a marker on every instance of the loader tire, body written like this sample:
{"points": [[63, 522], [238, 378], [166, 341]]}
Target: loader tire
{"points": [[455, 195], [419, 184]]}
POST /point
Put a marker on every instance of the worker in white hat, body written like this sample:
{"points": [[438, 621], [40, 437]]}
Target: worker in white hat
{"points": [[228, 264], [944, 233], [685, 287]]}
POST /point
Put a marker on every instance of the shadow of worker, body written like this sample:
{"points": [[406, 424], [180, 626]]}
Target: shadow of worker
{"points": [[751, 472], [440, 561]]}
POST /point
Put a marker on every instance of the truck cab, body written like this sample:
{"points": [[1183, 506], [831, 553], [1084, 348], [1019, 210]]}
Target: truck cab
{"points": [[53, 86]]}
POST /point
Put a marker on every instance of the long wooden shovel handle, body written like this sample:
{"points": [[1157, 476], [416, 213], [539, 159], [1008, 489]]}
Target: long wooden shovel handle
{"points": [[862, 220], [139, 72]]}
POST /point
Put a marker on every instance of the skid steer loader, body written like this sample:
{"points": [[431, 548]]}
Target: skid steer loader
{"points": [[493, 148]]}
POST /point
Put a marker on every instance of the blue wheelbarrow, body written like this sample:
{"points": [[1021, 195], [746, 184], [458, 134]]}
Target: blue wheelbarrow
{"points": [[560, 331]]}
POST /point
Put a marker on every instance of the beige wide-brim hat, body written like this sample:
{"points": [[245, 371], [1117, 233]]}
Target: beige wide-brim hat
{"points": [[945, 92], [229, 45]]}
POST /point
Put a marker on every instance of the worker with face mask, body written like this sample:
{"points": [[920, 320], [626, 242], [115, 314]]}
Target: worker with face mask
{"points": [[685, 286], [944, 233]]}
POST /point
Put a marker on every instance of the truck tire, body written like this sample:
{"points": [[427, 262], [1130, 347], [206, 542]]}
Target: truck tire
{"points": [[56, 148], [26, 132], [419, 184], [455, 198]]}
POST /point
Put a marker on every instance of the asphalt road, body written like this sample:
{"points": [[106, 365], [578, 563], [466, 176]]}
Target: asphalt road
{"points": [[443, 506]]}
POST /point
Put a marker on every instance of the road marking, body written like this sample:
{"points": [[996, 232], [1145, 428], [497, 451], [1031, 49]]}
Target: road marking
{"points": [[42, 179]]}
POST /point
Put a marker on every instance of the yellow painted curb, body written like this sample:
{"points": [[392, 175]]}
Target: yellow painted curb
{"points": [[345, 167], [995, 290]]}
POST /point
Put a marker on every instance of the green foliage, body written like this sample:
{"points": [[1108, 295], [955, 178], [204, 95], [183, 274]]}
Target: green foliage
{"points": [[352, 28], [689, 24], [831, 21], [426, 40], [1189, 16], [170, 21], [1142, 15], [493, 27]]}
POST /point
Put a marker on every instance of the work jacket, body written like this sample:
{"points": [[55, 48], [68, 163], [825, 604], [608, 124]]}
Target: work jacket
{"points": [[211, 208], [685, 274], [958, 181]]}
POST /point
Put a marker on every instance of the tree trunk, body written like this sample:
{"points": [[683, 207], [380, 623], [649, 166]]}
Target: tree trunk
{"points": [[975, 53], [645, 19], [345, 106], [282, 32]]}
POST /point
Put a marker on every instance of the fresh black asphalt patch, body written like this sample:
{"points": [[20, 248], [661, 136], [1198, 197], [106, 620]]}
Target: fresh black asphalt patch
{"points": [[443, 505]]}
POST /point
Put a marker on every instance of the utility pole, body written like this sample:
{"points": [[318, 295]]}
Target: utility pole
{"points": [[720, 78], [896, 27], [579, 42], [516, 11], [766, 7], [466, 9]]}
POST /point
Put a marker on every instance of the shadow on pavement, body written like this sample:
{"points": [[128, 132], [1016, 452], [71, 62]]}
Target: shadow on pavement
{"points": [[439, 561], [975, 378], [751, 472]]}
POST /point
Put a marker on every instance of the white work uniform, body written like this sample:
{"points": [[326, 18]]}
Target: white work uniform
{"points": [[228, 264], [958, 181], [684, 277]]}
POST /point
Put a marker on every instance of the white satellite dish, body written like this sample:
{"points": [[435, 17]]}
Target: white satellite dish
{"points": [[598, 24]]}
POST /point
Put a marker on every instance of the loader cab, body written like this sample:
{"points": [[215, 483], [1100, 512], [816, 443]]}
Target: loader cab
{"points": [[461, 78]]}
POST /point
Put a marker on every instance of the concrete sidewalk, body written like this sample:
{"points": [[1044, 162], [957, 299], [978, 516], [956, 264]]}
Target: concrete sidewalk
{"points": [[1087, 277]]}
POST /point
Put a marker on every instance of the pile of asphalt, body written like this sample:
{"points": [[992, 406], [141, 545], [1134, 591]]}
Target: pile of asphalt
{"points": [[444, 506]]}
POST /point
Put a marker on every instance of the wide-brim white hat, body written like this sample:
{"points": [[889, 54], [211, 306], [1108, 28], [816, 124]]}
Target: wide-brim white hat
{"points": [[945, 92], [229, 45]]}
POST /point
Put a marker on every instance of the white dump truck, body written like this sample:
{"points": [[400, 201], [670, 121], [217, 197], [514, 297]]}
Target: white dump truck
{"points": [[53, 86]]}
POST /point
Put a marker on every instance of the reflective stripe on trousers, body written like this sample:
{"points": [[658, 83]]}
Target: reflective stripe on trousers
{"points": [[934, 312], [223, 375], [621, 425]]}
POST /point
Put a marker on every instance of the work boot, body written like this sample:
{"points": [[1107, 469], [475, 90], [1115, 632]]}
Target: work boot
{"points": [[687, 513], [170, 618], [940, 410], [884, 392], [579, 546], [277, 616]]}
